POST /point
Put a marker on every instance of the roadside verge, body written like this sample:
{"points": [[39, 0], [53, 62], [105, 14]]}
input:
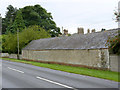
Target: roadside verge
{"points": [[104, 74]]}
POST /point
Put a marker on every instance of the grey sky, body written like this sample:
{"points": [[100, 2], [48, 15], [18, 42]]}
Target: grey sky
{"points": [[72, 14]]}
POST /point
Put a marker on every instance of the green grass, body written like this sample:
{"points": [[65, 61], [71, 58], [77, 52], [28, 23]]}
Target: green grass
{"points": [[77, 70]]}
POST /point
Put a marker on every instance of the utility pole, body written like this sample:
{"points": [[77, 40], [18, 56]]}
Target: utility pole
{"points": [[18, 43]]}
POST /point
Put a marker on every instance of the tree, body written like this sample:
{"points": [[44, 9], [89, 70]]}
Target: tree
{"points": [[18, 23], [25, 37], [0, 33], [36, 15], [9, 43], [9, 18], [114, 43], [117, 16], [0, 43], [0, 24], [4, 26], [32, 15]]}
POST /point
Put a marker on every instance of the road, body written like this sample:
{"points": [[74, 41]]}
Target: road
{"points": [[20, 75]]}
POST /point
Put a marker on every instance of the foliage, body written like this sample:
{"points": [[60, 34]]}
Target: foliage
{"points": [[114, 44], [0, 24], [9, 43], [18, 23], [9, 18], [0, 18], [36, 15], [69, 34], [117, 15], [31, 33], [30, 15], [0, 43]]}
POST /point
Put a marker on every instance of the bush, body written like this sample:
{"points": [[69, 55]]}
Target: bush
{"points": [[114, 44], [31, 33]]}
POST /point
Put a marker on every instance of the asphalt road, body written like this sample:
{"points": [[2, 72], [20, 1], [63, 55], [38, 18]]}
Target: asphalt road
{"points": [[19, 75]]}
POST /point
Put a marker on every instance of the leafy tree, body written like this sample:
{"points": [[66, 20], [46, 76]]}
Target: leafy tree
{"points": [[26, 36], [9, 43], [32, 33], [9, 18], [0, 43], [32, 15], [114, 43], [36, 15], [18, 23], [4, 26], [0, 24], [0, 33], [117, 16]]}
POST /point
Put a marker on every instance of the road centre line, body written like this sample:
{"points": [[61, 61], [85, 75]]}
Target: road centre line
{"points": [[15, 70], [55, 82]]}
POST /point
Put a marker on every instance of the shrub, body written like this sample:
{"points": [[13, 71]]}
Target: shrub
{"points": [[114, 44], [31, 33]]}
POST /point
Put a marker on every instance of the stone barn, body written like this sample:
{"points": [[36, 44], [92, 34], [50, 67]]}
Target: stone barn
{"points": [[79, 49]]}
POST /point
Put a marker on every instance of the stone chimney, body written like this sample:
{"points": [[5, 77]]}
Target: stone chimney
{"points": [[65, 32], [81, 30], [88, 31], [93, 30]]}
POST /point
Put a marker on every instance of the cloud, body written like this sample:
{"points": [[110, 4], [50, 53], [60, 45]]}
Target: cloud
{"points": [[73, 13]]}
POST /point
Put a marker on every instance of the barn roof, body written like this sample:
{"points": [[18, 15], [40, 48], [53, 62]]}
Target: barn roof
{"points": [[78, 41]]}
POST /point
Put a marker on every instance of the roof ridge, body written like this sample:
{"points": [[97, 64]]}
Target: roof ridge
{"points": [[88, 41]]}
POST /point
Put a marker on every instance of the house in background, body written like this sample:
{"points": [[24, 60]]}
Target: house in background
{"points": [[79, 49]]}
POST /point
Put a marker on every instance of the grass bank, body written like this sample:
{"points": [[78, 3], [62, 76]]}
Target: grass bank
{"points": [[77, 70]]}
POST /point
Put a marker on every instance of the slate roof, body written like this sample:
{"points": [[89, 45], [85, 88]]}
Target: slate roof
{"points": [[95, 40]]}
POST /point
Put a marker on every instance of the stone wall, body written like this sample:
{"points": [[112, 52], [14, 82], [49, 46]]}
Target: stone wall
{"points": [[20, 56], [13, 56], [79, 57], [5, 55], [95, 58], [114, 62]]}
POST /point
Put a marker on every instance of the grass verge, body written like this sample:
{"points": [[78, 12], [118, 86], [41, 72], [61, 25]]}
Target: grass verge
{"points": [[110, 75]]}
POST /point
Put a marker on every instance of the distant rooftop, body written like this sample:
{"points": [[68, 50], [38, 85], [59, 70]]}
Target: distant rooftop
{"points": [[94, 40]]}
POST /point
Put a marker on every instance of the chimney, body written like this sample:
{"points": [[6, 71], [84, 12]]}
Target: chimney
{"points": [[65, 32], [88, 31], [93, 30], [81, 30]]}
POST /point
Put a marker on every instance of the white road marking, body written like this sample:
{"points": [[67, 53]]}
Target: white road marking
{"points": [[15, 70], [55, 83]]}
